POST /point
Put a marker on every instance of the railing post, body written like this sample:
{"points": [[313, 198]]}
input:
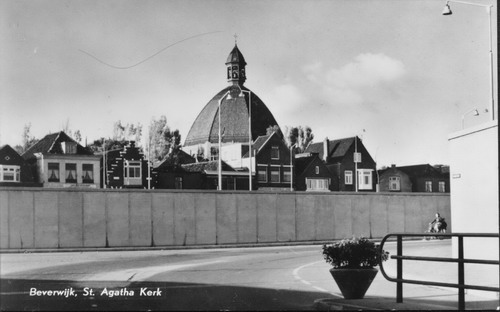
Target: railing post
{"points": [[399, 262], [461, 279]]}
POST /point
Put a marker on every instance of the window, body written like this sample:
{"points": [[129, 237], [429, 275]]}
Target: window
{"points": [[365, 179], [442, 187], [88, 173], [178, 183], [132, 172], [287, 175], [316, 170], [10, 173], [428, 186], [71, 173], [262, 174], [69, 147], [317, 184], [275, 152], [394, 184], [275, 175], [348, 177], [53, 172]]}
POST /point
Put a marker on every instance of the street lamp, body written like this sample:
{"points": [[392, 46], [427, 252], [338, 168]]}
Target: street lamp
{"points": [[249, 133], [447, 11], [219, 166], [473, 111]]}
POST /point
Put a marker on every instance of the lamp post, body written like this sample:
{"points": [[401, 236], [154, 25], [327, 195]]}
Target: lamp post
{"points": [[219, 166], [242, 94], [291, 166], [475, 113], [447, 11]]}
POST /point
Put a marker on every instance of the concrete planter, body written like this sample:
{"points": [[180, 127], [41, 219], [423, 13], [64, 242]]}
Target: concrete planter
{"points": [[354, 283]]}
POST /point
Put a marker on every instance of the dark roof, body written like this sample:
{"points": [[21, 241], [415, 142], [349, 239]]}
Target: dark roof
{"points": [[419, 170], [51, 144], [206, 166], [234, 119], [336, 148], [183, 158], [236, 57], [301, 163], [8, 155]]}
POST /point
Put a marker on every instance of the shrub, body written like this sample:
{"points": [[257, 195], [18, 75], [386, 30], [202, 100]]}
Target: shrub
{"points": [[355, 253]]}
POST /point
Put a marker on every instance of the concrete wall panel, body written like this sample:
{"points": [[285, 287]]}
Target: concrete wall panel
{"points": [[46, 220], [94, 219], [140, 219], [343, 218], [163, 219], [325, 218], [227, 226], [361, 216], [413, 215], [395, 214], [71, 219], [184, 219], [206, 219], [306, 218], [4, 220], [286, 217], [378, 216], [266, 217], [247, 218], [117, 217], [21, 218]]}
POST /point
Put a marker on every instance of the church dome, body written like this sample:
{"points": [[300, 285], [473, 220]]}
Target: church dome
{"points": [[234, 110]]}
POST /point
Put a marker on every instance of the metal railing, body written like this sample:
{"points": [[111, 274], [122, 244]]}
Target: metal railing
{"points": [[460, 260]]}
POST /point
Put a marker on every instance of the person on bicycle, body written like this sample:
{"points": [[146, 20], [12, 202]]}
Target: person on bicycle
{"points": [[438, 224]]}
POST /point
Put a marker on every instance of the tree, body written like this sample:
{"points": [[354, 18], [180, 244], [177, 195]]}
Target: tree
{"points": [[274, 128], [162, 140], [27, 140], [301, 136]]}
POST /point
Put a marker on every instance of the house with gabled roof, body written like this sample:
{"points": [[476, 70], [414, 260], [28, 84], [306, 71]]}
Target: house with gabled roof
{"points": [[59, 161], [312, 174], [272, 162], [419, 178], [127, 168], [14, 171], [354, 173]]}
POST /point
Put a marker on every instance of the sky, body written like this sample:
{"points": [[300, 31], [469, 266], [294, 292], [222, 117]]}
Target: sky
{"points": [[398, 74]]}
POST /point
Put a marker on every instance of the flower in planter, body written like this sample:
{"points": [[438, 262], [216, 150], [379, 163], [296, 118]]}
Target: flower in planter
{"points": [[355, 253]]}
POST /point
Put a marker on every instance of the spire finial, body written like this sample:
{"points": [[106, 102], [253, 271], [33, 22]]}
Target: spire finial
{"points": [[235, 39]]}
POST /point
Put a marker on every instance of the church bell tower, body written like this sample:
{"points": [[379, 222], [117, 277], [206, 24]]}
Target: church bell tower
{"points": [[236, 67]]}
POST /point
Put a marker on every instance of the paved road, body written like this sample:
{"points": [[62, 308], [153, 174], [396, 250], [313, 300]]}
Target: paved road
{"points": [[267, 278]]}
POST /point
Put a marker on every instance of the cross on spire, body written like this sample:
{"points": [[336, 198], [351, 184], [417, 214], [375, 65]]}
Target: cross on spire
{"points": [[235, 39]]}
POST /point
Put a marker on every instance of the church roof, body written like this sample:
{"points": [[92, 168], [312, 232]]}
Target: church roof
{"points": [[236, 57], [234, 118]]}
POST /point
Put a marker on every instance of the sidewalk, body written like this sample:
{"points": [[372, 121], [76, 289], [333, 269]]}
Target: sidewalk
{"points": [[382, 293]]}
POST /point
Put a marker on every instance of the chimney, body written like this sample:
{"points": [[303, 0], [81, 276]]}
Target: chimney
{"points": [[393, 166], [326, 145]]}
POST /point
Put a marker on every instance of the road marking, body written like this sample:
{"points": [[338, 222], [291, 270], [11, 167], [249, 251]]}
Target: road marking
{"points": [[141, 273], [303, 281]]}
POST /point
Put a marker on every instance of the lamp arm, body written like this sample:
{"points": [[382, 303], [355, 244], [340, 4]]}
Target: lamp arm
{"points": [[470, 3]]}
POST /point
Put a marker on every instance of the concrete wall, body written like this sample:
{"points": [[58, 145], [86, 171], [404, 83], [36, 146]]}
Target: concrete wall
{"points": [[474, 189], [56, 218]]}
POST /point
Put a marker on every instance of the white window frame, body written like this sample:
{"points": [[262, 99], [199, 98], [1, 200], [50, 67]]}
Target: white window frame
{"points": [[278, 171], [10, 169], [365, 184], [287, 176], [277, 150], [394, 183], [316, 169], [428, 186], [261, 169], [132, 164], [317, 184], [348, 177], [442, 187]]}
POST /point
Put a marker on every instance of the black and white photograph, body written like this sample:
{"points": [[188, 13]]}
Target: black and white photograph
{"points": [[249, 155]]}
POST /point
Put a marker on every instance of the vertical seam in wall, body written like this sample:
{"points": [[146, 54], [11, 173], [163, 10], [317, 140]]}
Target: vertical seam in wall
{"points": [[276, 218], [151, 218], [315, 217], [83, 219], [8, 219], [257, 219], [295, 214], [34, 221], [195, 205], [237, 219], [173, 219], [58, 220], [129, 220], [106, 217]]}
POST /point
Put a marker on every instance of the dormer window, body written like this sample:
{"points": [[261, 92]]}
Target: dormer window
{"points": [[69, 147]]}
